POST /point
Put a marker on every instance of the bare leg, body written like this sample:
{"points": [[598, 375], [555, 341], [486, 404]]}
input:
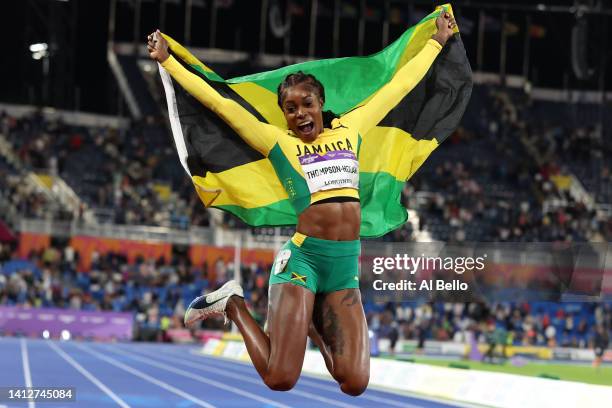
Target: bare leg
{"points": [[340, 320], [315, 336], [278, 355]]}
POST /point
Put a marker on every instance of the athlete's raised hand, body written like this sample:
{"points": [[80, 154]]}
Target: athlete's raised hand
{"points": [[445, 23], [157, 46]]}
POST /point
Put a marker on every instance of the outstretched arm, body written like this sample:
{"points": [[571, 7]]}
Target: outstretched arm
{"points": [[260, 136], [365, 117]]}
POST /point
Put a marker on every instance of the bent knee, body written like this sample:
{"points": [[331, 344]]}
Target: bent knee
{"points": [[281, 382], [355, 385]]}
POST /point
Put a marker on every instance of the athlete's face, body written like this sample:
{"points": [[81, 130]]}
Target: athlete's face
{"points": [[302, 107]]}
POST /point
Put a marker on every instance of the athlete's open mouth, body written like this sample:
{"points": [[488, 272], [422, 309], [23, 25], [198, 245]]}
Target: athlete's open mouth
{"points": [[306, 127]]}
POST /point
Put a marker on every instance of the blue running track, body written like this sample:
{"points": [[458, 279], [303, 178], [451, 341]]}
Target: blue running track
{"points": [[165, 376]]}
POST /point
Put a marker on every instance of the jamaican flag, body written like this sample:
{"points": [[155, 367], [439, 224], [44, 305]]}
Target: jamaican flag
{"points": [[230, 175]]}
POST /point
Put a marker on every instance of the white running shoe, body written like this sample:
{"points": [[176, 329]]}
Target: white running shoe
{"points": [[212, 304]]}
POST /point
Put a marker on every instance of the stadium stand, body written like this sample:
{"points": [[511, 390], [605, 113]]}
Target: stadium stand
{"points": [[127, 177]]}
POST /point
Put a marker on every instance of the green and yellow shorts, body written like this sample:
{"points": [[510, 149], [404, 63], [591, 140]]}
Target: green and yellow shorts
{"points": [[320, 265]]}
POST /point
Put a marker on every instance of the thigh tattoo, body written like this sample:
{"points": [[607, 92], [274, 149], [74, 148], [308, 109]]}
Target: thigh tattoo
{"points": [[351, 298], [332, 332]]}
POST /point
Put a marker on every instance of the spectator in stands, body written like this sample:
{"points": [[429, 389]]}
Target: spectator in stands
{"points": [[600, 344]]}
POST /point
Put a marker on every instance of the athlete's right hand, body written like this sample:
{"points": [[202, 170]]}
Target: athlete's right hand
{"points": [[157, 46]]}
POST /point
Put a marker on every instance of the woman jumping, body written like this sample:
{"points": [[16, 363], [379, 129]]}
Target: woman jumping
{"points": [[315, 276]]}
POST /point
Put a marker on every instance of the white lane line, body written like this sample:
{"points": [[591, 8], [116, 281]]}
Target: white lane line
{"points": [[333, 388], [200, 378], [146, 377], [241, 377], [227, 365], [26, 368], [88, 375]]}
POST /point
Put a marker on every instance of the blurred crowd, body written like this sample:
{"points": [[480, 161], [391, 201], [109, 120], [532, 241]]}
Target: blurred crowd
{"points": [[17, 198], [126, 176], [498, 179], [157, 292], [549, 324]]}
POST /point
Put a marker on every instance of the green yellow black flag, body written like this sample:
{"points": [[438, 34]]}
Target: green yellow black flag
{"points": [[232, 176]]}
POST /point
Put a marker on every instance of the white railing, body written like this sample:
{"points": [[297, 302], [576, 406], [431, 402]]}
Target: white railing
{"points": [[122, 81], [58, 194], [7, 151], [33, 180], [580, 194], [69, 117], [68, 198], [194, 235]]}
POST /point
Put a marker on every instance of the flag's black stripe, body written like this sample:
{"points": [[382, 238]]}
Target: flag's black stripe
{"points": [[433, 109], [224, 90], [212, 145]]}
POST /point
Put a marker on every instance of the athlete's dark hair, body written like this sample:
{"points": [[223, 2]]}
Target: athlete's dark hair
{"points": [[309, 79]]}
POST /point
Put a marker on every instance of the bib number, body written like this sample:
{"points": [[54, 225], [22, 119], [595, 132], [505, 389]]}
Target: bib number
{"points": [[280, 263]]}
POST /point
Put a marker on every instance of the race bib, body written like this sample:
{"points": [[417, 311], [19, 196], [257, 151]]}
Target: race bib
{"points": [[280, 263], [337, 169]]}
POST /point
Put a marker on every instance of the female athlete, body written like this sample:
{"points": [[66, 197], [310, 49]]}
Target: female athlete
{"points": [[314, 282]]}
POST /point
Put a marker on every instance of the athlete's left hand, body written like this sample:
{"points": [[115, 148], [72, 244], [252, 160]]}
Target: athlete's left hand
{"points": [[157, 46], [445, 24]]}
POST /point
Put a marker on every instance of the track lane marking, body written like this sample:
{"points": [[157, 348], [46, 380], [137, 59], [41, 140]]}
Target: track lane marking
{"points": [[200, 378], [307, 382], [259, 382], [146, 377], [27, 375], [88, 375]]}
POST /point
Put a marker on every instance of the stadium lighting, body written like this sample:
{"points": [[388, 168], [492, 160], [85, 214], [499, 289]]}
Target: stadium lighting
{"points": [[46, 335], [65, 335], [38, 47], [39, 50]]}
